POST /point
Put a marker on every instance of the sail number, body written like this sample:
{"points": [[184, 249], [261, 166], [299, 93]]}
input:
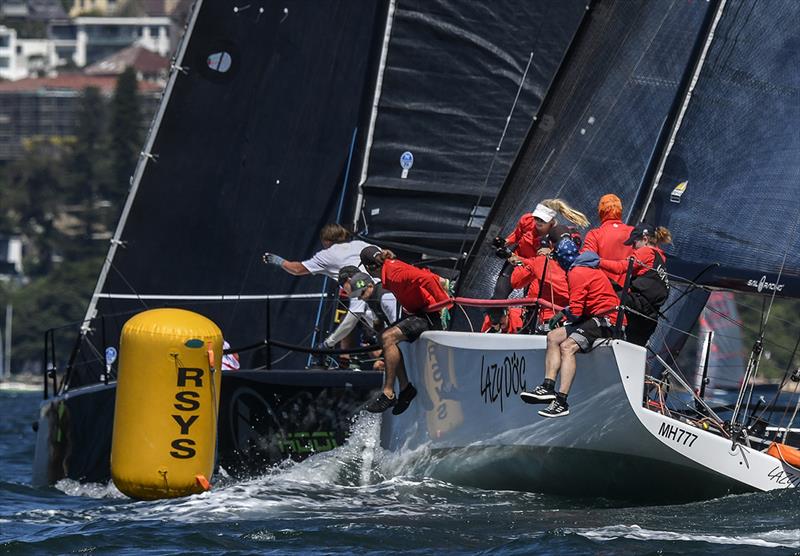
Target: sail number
{"points": [[677, 434]]}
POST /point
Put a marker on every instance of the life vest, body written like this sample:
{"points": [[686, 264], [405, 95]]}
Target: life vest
{"points": [[649, 291], [374, 303]]}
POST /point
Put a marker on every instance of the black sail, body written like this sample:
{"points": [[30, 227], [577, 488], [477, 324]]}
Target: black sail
{"points": [[453, 72], [250, 155], [600, 123], [738, 150]]}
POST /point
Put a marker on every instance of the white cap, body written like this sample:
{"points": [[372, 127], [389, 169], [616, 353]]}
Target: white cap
{"points": [[543, 213]]}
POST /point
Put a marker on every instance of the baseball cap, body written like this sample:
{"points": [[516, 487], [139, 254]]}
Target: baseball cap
{"points": [[642, 229], [358, 283], [346, 272], [369, 254]]}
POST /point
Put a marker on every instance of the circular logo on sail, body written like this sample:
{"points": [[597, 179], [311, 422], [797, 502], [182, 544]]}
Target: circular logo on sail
{"points": [[406, 160], [219, 61]]}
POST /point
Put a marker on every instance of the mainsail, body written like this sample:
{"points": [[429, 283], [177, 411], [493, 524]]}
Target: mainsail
{"points": [[458, 88], [728, 189], [602, 119], [249, 153]]}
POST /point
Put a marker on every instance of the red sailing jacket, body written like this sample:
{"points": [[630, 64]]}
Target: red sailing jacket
{"points": [[514, 321], [645, 261], [591, 294], [608, 241], [554, 288], [525, 236], [415, 288]]}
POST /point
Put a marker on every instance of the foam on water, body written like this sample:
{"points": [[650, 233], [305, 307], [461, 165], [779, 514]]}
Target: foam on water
{"points": [[769, 539]]}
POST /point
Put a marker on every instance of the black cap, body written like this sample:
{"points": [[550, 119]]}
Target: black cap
{"points": [[369, 256], [346, 272], [642, 229]]}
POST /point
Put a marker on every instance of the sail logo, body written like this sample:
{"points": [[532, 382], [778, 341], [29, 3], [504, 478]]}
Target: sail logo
{"points": [[762, 284]]}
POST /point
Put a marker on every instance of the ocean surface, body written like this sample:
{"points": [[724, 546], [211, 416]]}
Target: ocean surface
{"points": [[356, 499]]}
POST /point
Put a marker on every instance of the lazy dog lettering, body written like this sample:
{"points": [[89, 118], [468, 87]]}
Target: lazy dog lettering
{"points": [[499, 381], [187, 400]]}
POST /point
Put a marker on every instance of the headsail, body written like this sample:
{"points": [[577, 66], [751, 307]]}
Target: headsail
{"points": [[729, 185], [249, 152], [601, 120], [454, 72]]}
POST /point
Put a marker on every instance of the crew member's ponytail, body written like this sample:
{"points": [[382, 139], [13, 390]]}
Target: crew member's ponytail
{"points": [[574, 216], [661, 236], [384, 256]]}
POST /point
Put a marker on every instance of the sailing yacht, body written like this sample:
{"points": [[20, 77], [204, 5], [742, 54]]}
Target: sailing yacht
{"points": [[709, 159]]}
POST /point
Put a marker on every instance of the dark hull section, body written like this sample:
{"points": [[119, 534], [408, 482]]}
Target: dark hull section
{"points": [[579, 473], [265, 417]]}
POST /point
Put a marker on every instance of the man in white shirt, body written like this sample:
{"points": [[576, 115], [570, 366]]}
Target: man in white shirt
{"points": [[339, 250]]}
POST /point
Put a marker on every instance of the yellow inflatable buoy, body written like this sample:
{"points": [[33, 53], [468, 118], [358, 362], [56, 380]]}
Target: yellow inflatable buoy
{"points": [[165, 417]]}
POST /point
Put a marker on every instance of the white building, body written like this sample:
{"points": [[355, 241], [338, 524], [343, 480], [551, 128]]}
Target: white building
{"points": [[85, 40], [21, 58]]}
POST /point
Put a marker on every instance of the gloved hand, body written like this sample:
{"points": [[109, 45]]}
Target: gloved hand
{"points": [[504, 252], [555, 320], [272, 258], [444, 315], [499, 242]]}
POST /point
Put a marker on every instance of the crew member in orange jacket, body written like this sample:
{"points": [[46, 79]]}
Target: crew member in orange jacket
{"points": [[608, 241], [544, 279], [591, 314], [416, 289], [649, 285]]}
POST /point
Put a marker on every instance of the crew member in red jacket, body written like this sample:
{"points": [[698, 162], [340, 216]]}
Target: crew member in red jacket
{"points": [[608, 241], [649, 285], [416, 289], [536, 233], [544, 278], [591, 314]]}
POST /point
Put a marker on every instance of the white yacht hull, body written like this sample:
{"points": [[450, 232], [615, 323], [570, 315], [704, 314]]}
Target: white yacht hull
{"points": [[469, 426]]}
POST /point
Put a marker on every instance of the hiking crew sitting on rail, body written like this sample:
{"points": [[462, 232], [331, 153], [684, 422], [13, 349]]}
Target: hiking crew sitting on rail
{"points": [[649, 285], [415, 289], [536, 234], [591, 315], [608, 241]]}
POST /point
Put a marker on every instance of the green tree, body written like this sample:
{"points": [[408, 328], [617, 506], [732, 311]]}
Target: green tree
{"points": [[56, 300], [32, 199], [89, 163], [126, 135]]}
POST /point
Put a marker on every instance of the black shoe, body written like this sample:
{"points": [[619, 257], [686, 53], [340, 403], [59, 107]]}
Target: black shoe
{"points": [[555, 409], [540, 394], [380, 404], [404, 399]]}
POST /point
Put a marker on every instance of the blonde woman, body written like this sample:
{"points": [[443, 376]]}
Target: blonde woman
{"points": [[536, 233]]}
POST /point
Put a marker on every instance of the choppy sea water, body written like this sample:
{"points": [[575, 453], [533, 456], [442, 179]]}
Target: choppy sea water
{"points": [[357, 499]]}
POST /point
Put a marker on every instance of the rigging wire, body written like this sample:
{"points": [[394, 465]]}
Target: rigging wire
{"points": [[494, 156]]}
